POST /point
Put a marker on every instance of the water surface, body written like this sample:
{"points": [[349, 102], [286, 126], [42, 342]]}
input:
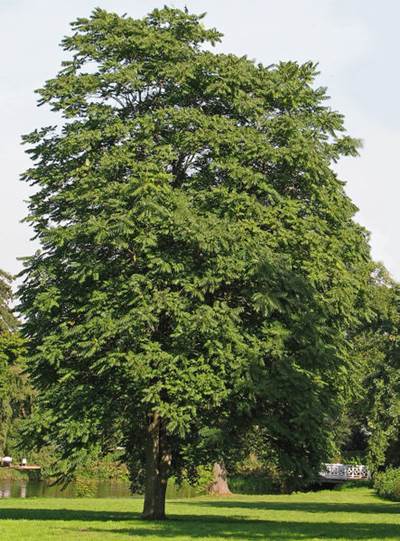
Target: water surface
{"points": [[95, 489]]}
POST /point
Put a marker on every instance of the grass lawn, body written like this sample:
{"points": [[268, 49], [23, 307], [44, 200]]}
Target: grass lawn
{"points": [[348, 514]]}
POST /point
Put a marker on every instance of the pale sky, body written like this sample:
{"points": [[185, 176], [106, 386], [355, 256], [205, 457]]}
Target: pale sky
{"points": [[356, 43]]}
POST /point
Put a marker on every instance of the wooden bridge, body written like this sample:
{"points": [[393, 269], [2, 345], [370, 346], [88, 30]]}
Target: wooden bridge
{"points": [[339, 473]]}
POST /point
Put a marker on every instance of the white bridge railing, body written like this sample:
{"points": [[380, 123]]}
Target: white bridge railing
{"points": [[345, 472]]}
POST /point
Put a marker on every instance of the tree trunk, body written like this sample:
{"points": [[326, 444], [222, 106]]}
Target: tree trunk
{"points": [[158, 461], [220, 484]]}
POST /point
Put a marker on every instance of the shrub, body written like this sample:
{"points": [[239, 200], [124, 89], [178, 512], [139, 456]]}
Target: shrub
{"points": [[254, 483], [85, 488], [356, 483], [103, 468], [253, 475], [194, 483], [387, 484]]}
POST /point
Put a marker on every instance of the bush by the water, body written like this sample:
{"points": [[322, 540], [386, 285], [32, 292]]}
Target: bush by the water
{"points": [[254, 483], [357, 483], [387, 484]]}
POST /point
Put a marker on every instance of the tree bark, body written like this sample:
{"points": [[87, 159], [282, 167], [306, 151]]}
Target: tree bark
{"points": [[158, 461], [220, 483]]}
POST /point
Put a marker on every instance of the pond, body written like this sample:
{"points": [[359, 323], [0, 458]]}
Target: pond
{"points": [[95, 489]]}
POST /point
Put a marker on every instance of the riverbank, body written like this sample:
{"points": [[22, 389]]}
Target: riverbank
{"points": [[327, 515]]}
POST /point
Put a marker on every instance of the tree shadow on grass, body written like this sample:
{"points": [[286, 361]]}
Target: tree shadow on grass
{"points": [[65, 515], [304, 507], [235, 527], [253, 530], [255, 505], [198, 527]]}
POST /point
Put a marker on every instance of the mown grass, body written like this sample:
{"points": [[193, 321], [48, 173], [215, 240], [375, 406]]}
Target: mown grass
{"points": [[328, 515]]}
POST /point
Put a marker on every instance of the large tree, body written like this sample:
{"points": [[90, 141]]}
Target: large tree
{"points": [[200, 267]]}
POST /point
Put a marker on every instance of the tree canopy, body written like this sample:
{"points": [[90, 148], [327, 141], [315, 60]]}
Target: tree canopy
{"points": [[200, 269]]}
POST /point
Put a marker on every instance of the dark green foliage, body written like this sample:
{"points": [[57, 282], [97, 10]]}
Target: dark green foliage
{"points": [[387, 484], [200, 266]]}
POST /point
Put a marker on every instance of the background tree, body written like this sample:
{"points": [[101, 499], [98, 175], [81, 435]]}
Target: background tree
{"points": [[369, 426], [14, 388], [8, 321], [376, 413], [16, 394], [200, 266]]}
